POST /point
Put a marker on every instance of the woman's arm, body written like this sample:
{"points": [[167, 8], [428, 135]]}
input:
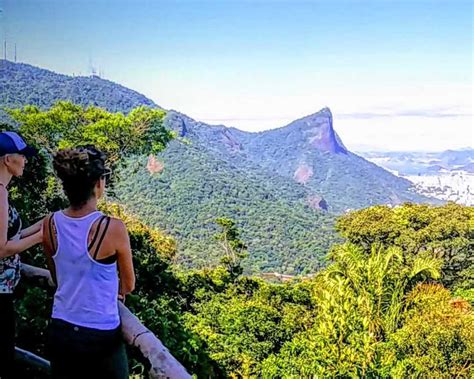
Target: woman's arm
{"points": [[124, 257], [8, 248], [48, 248], [32, 229]]}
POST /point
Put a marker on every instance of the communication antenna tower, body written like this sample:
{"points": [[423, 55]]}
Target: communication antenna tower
{"points": [[91, 67]]}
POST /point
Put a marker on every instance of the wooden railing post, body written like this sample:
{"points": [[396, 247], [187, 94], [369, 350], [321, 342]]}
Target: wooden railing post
{"points": [[163, 364], [31, 359]]}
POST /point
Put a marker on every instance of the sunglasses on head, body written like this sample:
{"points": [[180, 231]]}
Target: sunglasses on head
{"points": [[106, 174]]}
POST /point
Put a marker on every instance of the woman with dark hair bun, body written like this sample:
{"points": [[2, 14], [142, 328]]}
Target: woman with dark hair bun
{"points": [[86, 252]]}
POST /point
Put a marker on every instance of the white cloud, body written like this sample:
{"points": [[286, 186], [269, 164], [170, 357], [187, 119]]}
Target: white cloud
{"points": [[406, 133]]}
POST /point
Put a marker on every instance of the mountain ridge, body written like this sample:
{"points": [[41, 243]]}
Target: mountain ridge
{"points": [[50, 86], [299, 158], [282, 186]]}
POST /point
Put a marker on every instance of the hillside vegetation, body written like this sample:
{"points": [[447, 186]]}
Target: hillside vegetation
{"points": [[307, 155], [23, 84], [194, 189], [395, 300]]}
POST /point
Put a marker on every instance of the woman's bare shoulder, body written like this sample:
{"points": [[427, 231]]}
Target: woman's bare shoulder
{"points": [[117, 227]]}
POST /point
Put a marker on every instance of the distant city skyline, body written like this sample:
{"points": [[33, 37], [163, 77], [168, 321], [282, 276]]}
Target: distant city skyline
{"points": [[397, 75]]}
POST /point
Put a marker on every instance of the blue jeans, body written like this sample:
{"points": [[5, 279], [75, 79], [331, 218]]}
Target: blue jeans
{"points": [[79, 352]]}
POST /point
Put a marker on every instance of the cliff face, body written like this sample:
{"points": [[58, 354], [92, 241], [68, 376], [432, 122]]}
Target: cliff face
{"points": [[317, 132]]}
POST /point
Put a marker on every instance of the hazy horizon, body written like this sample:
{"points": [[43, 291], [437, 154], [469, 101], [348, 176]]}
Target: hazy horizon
{"points": [[397, 76]]}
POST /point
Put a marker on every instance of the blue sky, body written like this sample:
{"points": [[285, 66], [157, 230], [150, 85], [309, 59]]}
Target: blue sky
{"points": [[396, 74]]}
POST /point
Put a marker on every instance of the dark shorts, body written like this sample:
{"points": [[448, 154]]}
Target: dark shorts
{"points": [[79, 352], [7, 335]]}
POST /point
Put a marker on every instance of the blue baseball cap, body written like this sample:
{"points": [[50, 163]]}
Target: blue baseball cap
{"points": [[12, 143]]}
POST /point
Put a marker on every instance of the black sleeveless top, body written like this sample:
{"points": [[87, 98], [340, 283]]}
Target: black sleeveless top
{"points": [[14, 222]]}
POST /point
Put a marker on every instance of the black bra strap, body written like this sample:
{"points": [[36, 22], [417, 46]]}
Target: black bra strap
{"points": [[51, 236], [102, 237], [96, 234]]}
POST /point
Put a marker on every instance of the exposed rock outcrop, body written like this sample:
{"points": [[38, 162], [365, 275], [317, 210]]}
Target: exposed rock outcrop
{"points": [[317, 202]]}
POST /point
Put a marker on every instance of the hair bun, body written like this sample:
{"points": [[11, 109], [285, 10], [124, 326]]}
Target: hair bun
{"points": [[79, 170], [79, 163]]}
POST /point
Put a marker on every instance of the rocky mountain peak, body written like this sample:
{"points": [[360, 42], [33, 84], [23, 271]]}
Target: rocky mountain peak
{"points": [[318, 131]]}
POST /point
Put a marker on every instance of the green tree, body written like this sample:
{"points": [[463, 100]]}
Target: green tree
{"points": [[359, 301], [233, 247], [445, 231], [436, 339], [66, 124], [241, 326]]}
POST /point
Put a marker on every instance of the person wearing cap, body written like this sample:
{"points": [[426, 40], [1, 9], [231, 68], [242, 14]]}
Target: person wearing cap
{"points": [[13, 240]]}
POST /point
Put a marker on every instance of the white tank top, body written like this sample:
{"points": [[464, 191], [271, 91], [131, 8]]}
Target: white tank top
{"points": [[87, 290]]}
